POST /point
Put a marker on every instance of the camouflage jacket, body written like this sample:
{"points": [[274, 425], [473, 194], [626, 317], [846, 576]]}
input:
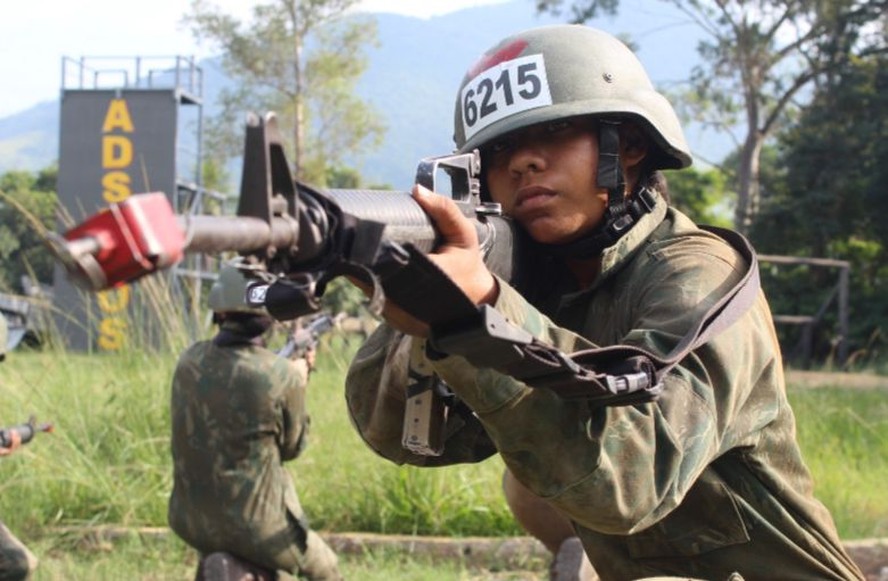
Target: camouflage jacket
{"points": [[703, 482], [237, 414]]}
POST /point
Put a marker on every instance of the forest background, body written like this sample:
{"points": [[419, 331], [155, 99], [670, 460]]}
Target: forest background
{"points": [[798, 163]]}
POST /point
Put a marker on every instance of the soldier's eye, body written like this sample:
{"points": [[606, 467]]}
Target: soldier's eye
{"points": [[558, 126], [500, 146]]}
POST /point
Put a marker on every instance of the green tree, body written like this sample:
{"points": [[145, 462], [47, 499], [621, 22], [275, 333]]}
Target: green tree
{"points": [[833, 167], [217, 184], [22, 251], [215, 175], [700, 195], [828, 199], [345, 178], [301, 59], [758, 57]]}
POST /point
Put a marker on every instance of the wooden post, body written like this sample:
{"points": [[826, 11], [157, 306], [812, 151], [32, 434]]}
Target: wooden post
{"points": [[844, 275], [842, 289]]}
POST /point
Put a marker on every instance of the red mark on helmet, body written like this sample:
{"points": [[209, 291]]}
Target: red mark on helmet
{"points": [[504, 54]]}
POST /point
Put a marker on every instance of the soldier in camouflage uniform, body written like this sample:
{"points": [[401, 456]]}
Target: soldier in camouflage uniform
{"points": [[705, 482], [238, 412], [16, 561]]}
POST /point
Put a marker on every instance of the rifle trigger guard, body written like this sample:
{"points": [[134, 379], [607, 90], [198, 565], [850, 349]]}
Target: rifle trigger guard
{"points": [[377, 300]]}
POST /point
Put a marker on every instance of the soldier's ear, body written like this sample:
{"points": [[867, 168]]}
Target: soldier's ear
{"points": [[634, 145]]}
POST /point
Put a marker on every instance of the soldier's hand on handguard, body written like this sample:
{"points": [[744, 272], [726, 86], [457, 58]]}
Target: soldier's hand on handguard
{"points": [[458, 256], [311, 357], [15, 443]]}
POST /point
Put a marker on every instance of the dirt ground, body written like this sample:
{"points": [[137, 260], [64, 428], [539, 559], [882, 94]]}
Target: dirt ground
{"points": [[525, 559], [799, 378]]}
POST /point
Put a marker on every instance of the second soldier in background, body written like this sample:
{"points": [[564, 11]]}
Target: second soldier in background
{"points": [[238, 413]]}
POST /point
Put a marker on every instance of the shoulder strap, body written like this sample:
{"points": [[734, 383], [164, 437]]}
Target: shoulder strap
{"points": [[613, 375], [727, 309]]}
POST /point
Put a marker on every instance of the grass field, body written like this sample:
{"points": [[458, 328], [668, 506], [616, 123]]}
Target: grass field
{"points": [[107, 463]]}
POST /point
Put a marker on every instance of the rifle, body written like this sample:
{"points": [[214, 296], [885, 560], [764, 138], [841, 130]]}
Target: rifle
{"points": [[307, 337], [292, 238], [27, 431]]}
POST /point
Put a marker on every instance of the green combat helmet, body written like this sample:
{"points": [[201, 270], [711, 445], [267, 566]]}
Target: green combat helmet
{"points": [[556, 72], [229, 291], [559, 71]]}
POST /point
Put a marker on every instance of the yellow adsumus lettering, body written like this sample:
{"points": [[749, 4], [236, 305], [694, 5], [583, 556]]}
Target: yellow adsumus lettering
{"points": [[117, 157]]}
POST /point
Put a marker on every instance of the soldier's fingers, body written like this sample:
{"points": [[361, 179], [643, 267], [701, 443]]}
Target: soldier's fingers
{"points": [[450, 222], [394, 315], [15, 440]]}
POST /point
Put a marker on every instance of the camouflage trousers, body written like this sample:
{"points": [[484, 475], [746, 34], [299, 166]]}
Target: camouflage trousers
{"points": [[318, 563], [16, 561]]}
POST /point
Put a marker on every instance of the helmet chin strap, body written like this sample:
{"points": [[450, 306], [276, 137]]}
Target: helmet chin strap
{"points": [[621, 214], [610, 172]]}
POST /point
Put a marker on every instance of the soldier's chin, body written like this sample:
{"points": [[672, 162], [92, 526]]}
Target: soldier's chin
{"points": [[546, 230]]}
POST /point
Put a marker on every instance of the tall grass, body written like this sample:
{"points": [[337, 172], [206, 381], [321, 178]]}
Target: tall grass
{"points": [[345, 486], [108, 460], [844, 437]]}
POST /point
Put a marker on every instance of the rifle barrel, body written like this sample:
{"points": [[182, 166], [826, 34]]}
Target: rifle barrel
{"points": [[213, 234], [403, 218]]}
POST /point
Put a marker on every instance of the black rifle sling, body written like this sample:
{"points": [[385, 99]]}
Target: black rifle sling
{"points": [[613, 375], [418, 286]]}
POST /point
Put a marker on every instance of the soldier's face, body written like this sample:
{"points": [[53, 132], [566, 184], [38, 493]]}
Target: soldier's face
{"points": [[545, 178]]}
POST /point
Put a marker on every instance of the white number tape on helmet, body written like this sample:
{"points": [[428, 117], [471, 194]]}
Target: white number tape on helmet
{"points": [[505, 89]]}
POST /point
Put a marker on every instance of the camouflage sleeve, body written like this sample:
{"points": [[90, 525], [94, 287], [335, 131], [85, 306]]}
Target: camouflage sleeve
{"points": [[621, 469], [375, 391], [296, 421], [490, 389]]}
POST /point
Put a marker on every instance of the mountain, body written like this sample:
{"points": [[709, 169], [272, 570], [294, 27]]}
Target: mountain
{"points": [[29, 140], [411, 80]]}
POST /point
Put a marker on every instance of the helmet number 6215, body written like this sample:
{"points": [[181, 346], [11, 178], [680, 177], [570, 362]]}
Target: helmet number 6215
{"points": [[503, 90]]}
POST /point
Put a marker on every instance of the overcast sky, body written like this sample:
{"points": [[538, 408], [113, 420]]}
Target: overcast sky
{"points": [[36, 34]]}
